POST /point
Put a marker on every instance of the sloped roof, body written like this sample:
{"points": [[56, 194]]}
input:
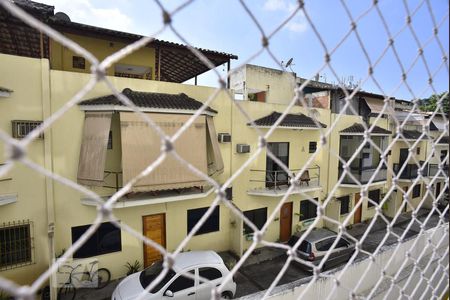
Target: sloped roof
{"points": [[411, 134], [290, 120], [150, 100], [173, 62], [358, 128], [443, 140]]}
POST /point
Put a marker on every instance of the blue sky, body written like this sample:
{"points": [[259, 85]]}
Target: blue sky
{"points": [[224, 25]]}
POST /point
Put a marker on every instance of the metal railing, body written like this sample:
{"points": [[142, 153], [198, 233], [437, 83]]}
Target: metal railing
{"points": [[433, 170], [410, 171], [364, 175], [279, 179]]}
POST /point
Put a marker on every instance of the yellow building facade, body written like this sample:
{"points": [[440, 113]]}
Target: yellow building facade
{"points": [[51, 215]]}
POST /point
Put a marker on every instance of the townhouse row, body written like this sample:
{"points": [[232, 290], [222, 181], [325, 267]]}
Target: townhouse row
{"points": [[102, 144]]}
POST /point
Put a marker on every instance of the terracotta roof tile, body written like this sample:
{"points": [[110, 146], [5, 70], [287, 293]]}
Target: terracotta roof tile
{"points": [[151, 100], [290, 120]]}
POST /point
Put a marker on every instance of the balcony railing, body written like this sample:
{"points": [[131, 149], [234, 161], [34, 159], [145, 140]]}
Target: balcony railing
{"points": [[433, 169], [410, 171], [274, 183], [364, 175]]}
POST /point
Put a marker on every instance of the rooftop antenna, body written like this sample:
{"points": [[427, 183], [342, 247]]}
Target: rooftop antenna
{"points": [[288, 64]]}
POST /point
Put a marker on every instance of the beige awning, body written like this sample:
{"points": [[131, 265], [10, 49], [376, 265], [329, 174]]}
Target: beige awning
{"points": [[214, 157], [141, 146], [375, 105], [91, 165]]}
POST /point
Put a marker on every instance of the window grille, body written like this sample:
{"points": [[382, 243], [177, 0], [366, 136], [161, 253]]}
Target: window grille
{"points": [[16, 244]]}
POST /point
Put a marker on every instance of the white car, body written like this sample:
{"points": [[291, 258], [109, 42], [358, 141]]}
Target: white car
{"points": [[201, 264]]}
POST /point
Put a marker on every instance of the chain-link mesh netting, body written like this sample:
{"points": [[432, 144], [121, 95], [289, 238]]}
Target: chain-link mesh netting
{"points": [[426, 272]]}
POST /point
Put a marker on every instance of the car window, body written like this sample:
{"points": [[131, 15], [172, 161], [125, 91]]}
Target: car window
{"points": [[342, 243], [304, 246], [149, 274], [324, 245], [181, 283], [209, 273]]}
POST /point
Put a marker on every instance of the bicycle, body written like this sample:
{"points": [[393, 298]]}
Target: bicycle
{"points": [[91, 279]]}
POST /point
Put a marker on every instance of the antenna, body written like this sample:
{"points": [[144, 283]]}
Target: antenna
{"points": [[289, 62]]}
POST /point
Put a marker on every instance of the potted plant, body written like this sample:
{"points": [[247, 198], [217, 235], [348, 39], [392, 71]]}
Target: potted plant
{"points": [[133, 268]]}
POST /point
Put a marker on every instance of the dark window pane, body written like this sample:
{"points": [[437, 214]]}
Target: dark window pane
{"points": [[308, 210], [345, 204], [106, 239], [210, 225], [342, 243], [181, 283], [210, 273], [78, 62], [374, 196], [416, 191], [257, 217], [312, 147]]}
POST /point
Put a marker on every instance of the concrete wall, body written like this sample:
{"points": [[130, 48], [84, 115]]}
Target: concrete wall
{"points": [[26, 186], [61, 57]]}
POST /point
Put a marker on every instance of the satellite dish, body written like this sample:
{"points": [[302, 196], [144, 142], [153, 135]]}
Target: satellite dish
{"points": [[62, 16], [289, 62]]}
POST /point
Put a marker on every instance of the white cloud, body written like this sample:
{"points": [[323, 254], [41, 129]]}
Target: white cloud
{"points": [[275, 5], [298, 23], [83, 11]]}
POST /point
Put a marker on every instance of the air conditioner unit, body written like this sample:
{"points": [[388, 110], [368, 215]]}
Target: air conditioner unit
{"points": [[224, 138], [242, 148]]}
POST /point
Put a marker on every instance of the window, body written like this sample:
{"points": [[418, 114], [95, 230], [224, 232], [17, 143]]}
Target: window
{"points": [[209, 273], [20, 128], [342, 243], [15, 245], [416, 191], [374, 196], [181, 283], [345, 204], [210, 225], [312, 147], [257, 217], [275, 175], [324, 245], [443, 155], [418, 151], [308, 210], [151, 273], [106, 239], [78, 62], [110, 141]]}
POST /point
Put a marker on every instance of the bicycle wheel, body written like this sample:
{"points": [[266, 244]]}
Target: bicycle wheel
{"points": [[104, 276], [67, 293]]}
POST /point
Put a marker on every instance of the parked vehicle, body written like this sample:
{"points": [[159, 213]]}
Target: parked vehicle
{"points": [[316, 245], [200, 264]]}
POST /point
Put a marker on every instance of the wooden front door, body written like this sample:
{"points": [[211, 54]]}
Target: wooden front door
{"points": [[286, 222], [358, 212], [154, 228]]}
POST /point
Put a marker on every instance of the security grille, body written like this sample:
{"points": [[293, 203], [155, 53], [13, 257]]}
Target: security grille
{"points": [[423, 268]]}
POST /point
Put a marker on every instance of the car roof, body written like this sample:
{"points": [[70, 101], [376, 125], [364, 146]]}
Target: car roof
{"points": [[194, 258], [317, 234]]}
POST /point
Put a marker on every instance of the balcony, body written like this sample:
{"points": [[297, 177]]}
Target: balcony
{"points": [[364, 175], [276, 183], [433, 169], [410, 171]]}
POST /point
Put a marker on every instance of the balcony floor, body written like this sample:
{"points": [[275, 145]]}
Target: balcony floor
{"points": [[282, 190], [148, 198]]}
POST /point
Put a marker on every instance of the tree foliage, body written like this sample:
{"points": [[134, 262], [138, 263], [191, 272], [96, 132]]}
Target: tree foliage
{"points": [[430, 104]]}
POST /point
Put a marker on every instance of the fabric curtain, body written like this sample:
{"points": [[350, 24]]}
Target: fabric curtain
{"points": [[91, 165], [215, 162], [141, 146]]}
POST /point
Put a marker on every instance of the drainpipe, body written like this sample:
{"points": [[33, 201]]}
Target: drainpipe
{"points": [[48, 164]]}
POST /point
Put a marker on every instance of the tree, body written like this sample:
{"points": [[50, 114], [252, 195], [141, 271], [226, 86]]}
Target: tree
{"points": [[430, 103]]}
